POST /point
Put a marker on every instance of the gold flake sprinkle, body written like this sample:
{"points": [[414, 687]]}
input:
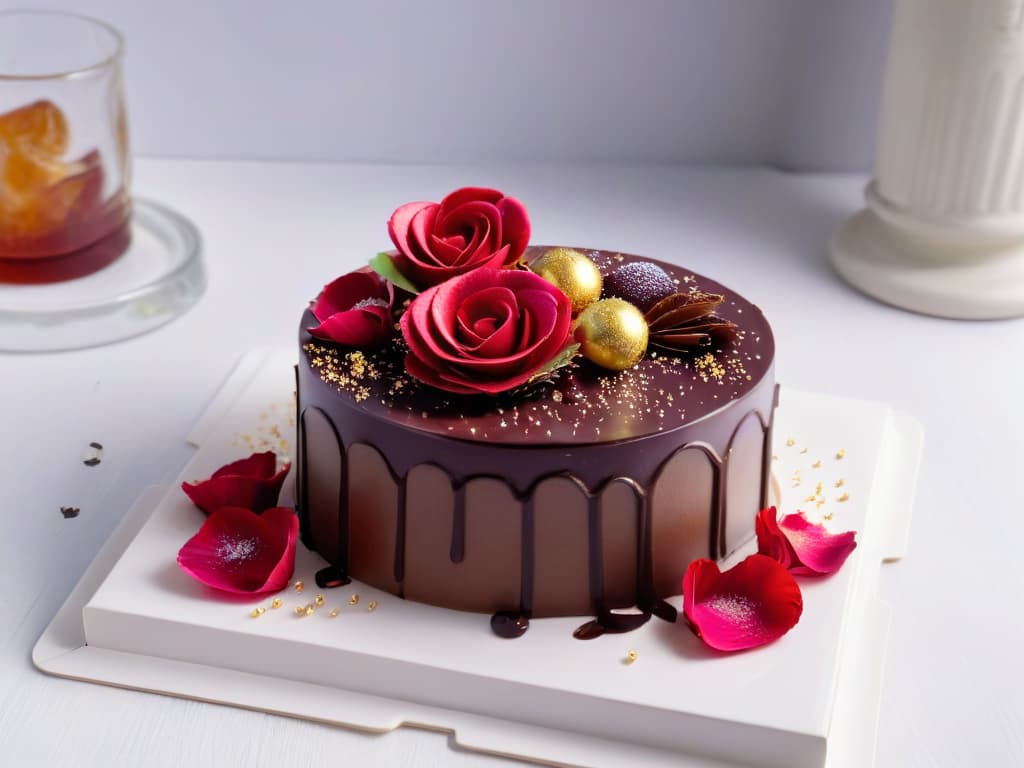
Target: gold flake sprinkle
{"points": [[811, 498], [372, 605], [827, 517], [839, 482], [816, 465], [774, 457], [319, 601], [790, 442], [334, 613], [277, 603], [631, 656], [354, 600], [840, 453], [803, 451], [299, 586], [300, 610], [844, 497], [309, 609], [257, 612], [818, 503]]}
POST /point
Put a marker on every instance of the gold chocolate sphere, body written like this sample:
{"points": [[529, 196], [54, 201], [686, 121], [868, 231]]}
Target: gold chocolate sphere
{"points": [[573, 273], [612, 333]]}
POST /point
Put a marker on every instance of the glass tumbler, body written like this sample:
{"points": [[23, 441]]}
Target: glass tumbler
{"points": [[64, 162]]}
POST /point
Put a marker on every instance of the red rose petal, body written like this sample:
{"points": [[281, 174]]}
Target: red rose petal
{"points": [[241, 552], [399, 225], [252, 483], [770, 540], [361, 328], [753, 603], [345, 292], [517, 227]]}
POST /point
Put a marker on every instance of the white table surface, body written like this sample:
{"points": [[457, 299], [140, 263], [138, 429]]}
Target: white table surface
{"points": [[274, 233]]}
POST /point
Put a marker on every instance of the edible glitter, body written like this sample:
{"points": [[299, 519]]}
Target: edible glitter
{"points": [[334, 613], [237, 550], [844, 497], [257, 612], [277, 603], [354, 600], [840, 453], [299, 586], [319, 601], [631, 656], [372, 606]]}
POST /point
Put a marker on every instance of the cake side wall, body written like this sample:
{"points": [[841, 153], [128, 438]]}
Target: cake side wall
{"points": [[422, 522]]}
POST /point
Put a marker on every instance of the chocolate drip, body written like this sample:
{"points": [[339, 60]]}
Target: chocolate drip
{"points": [[527, 555], [596, 567], [400, 530], [458, 548], [509, 625], [330, 577], [611, 624]]}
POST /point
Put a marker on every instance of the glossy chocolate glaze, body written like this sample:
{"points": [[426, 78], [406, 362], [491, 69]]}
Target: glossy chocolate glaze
{"points": [[429, 496]]}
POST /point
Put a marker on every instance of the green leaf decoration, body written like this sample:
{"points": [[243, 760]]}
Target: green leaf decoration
{"points": [[560, 360], [384, 266]]}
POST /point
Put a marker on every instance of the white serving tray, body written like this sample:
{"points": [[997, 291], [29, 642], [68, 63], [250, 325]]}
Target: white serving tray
{"points": [[810, 699]]}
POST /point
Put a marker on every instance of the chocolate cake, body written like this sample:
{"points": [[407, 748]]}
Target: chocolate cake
{"points": [[585, 493]]}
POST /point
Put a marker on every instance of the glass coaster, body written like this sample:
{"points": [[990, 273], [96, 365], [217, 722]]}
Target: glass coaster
{"points": [[159, 277]]}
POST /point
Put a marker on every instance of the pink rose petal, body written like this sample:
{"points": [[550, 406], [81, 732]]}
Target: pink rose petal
{"points": [[252, 483], [803, 547], [241, 552], [753, 603]]}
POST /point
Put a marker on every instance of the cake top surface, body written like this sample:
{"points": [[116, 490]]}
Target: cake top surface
{"points": [[584, 404]]}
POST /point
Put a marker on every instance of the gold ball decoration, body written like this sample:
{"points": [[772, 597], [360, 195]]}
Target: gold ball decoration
{"points": [[612, 333], [573, 273]]}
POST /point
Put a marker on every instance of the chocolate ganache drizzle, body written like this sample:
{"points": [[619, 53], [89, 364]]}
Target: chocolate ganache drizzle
{"points": [[588, 496]]}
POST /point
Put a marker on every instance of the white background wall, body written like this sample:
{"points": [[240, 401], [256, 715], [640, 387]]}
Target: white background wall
{"points": [[793, 83]]}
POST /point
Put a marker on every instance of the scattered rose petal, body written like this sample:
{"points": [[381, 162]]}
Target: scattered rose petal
{"points": [[753, 603], [802, 546], [253, 483], [239, 551]]}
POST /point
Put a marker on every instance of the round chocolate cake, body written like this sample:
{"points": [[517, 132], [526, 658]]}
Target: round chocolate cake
{"points": [[582, 493]]}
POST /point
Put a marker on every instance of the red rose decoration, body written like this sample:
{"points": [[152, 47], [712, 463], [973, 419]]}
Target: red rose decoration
{"points": [[239, 551], [800, 545], [751, 604], [488, 331], [355, 310], [253, 483], [472, 227]]}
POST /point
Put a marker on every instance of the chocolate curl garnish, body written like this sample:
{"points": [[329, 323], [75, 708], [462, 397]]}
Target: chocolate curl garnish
{"points": [[684, 320]]}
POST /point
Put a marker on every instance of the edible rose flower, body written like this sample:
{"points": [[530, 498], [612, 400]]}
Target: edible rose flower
{"points": [[800, 545], [751, 604], [488, 331], [470, 228], [355, 310], [253, 483], [241, 552]]}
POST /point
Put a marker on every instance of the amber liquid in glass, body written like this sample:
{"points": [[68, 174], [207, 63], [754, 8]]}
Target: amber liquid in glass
{"points": [[54, 222]]}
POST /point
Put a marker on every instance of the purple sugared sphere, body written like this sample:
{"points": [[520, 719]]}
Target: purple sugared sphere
{"points": [[640, 283]]}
